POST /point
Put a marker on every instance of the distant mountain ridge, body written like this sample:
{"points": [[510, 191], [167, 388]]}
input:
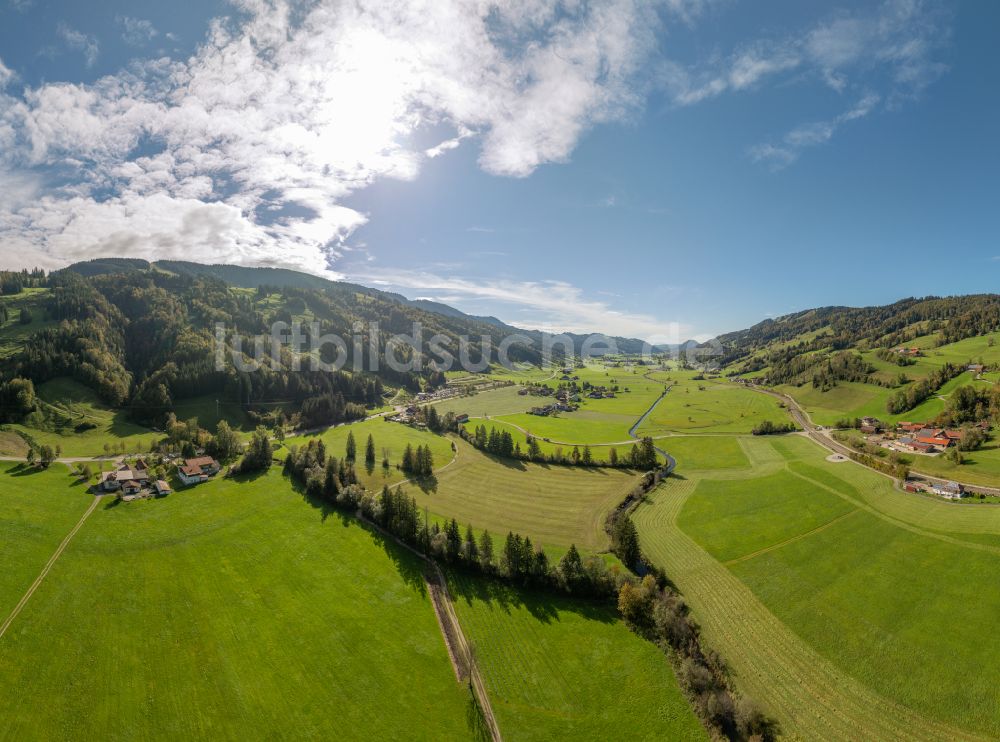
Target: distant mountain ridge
{"points": [[253, 277], [843, 328]]}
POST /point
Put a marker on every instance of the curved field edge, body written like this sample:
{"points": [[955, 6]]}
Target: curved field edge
{"points": [[807, 694]]}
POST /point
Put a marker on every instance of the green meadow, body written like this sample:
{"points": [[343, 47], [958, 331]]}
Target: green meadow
{"points": [[710, 407], [555, 505], [233, 610], [390, 441], [502, 401], [600, 451], [840, 602], [72, 417], [13, 333], [559, 668], [37, 509]]}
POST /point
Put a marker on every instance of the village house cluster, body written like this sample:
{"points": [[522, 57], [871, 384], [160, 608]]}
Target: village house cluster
{"points": [[913, 437], [134, 480]]}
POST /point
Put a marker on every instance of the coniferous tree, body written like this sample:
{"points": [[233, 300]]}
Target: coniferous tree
{"points": [[352, 448], [486, 550], [370, 451]]}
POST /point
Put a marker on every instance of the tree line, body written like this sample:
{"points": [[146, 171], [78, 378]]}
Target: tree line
{"points": [[641, 455]]}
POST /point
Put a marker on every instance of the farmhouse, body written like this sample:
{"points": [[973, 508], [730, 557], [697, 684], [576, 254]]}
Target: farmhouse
{"points": [[871, 425], [460, 419], [194, 471], [161, 487], [911, 352], [935, 437], [112, 481], [951, 490], [917, 446]]}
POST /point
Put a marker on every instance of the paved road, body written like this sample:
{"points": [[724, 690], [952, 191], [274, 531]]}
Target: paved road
{"points": [[824, 438]]}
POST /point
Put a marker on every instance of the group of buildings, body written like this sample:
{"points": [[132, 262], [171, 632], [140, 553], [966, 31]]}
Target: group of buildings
{"points": [[919, 438], [915, 437], [133, 480]]}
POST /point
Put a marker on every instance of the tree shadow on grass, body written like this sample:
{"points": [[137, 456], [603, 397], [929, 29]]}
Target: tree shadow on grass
{"points": [[541, 602], [26, 470], [474, 717], [409, 566], [427, 484]]}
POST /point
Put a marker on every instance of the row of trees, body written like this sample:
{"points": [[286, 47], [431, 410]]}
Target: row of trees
{"points": [[655, 611], [908, 398], [641, 455], [768, 427]]}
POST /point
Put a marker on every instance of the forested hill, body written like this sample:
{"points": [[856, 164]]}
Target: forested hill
{"points": [[843, 328], [142, 336], [244, 277]]}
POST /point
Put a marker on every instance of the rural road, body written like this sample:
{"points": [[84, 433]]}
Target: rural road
{"points": [[825, 439]]}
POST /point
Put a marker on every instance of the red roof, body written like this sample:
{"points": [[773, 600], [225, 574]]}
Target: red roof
{"points": [[934, 441]]}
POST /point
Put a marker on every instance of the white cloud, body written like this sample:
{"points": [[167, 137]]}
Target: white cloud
{"points": [[136, 31], [895, 40], [81, 42], [287, 112], [888, 48], [552, 306], [810, 135], [6, 75]]}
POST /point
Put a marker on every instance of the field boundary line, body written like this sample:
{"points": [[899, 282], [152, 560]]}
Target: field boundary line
{"points": [[892, 520], [791, 540], [451, 630], [48, 566]]}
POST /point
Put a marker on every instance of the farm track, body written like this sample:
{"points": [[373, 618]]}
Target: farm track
{"points": [[810, 697], [48, 566], [460, 653]]}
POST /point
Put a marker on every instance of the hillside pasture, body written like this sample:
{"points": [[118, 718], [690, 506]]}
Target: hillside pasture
{"points": [[14, 334], [74, 418], [230, 611], [559, 668]]}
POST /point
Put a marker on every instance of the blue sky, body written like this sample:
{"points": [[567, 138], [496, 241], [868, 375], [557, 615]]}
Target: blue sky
{"points": [[660, 170]]}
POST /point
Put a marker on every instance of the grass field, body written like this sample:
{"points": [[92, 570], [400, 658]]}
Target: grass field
{"points": [[74, 418], [390, 439], [600, 451], [11, 444], [12, 333], [582, 426], [710, 407], [845, 603], [555, 505], [558, 668], [37, 509], [503, 401], [231, 611]]}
